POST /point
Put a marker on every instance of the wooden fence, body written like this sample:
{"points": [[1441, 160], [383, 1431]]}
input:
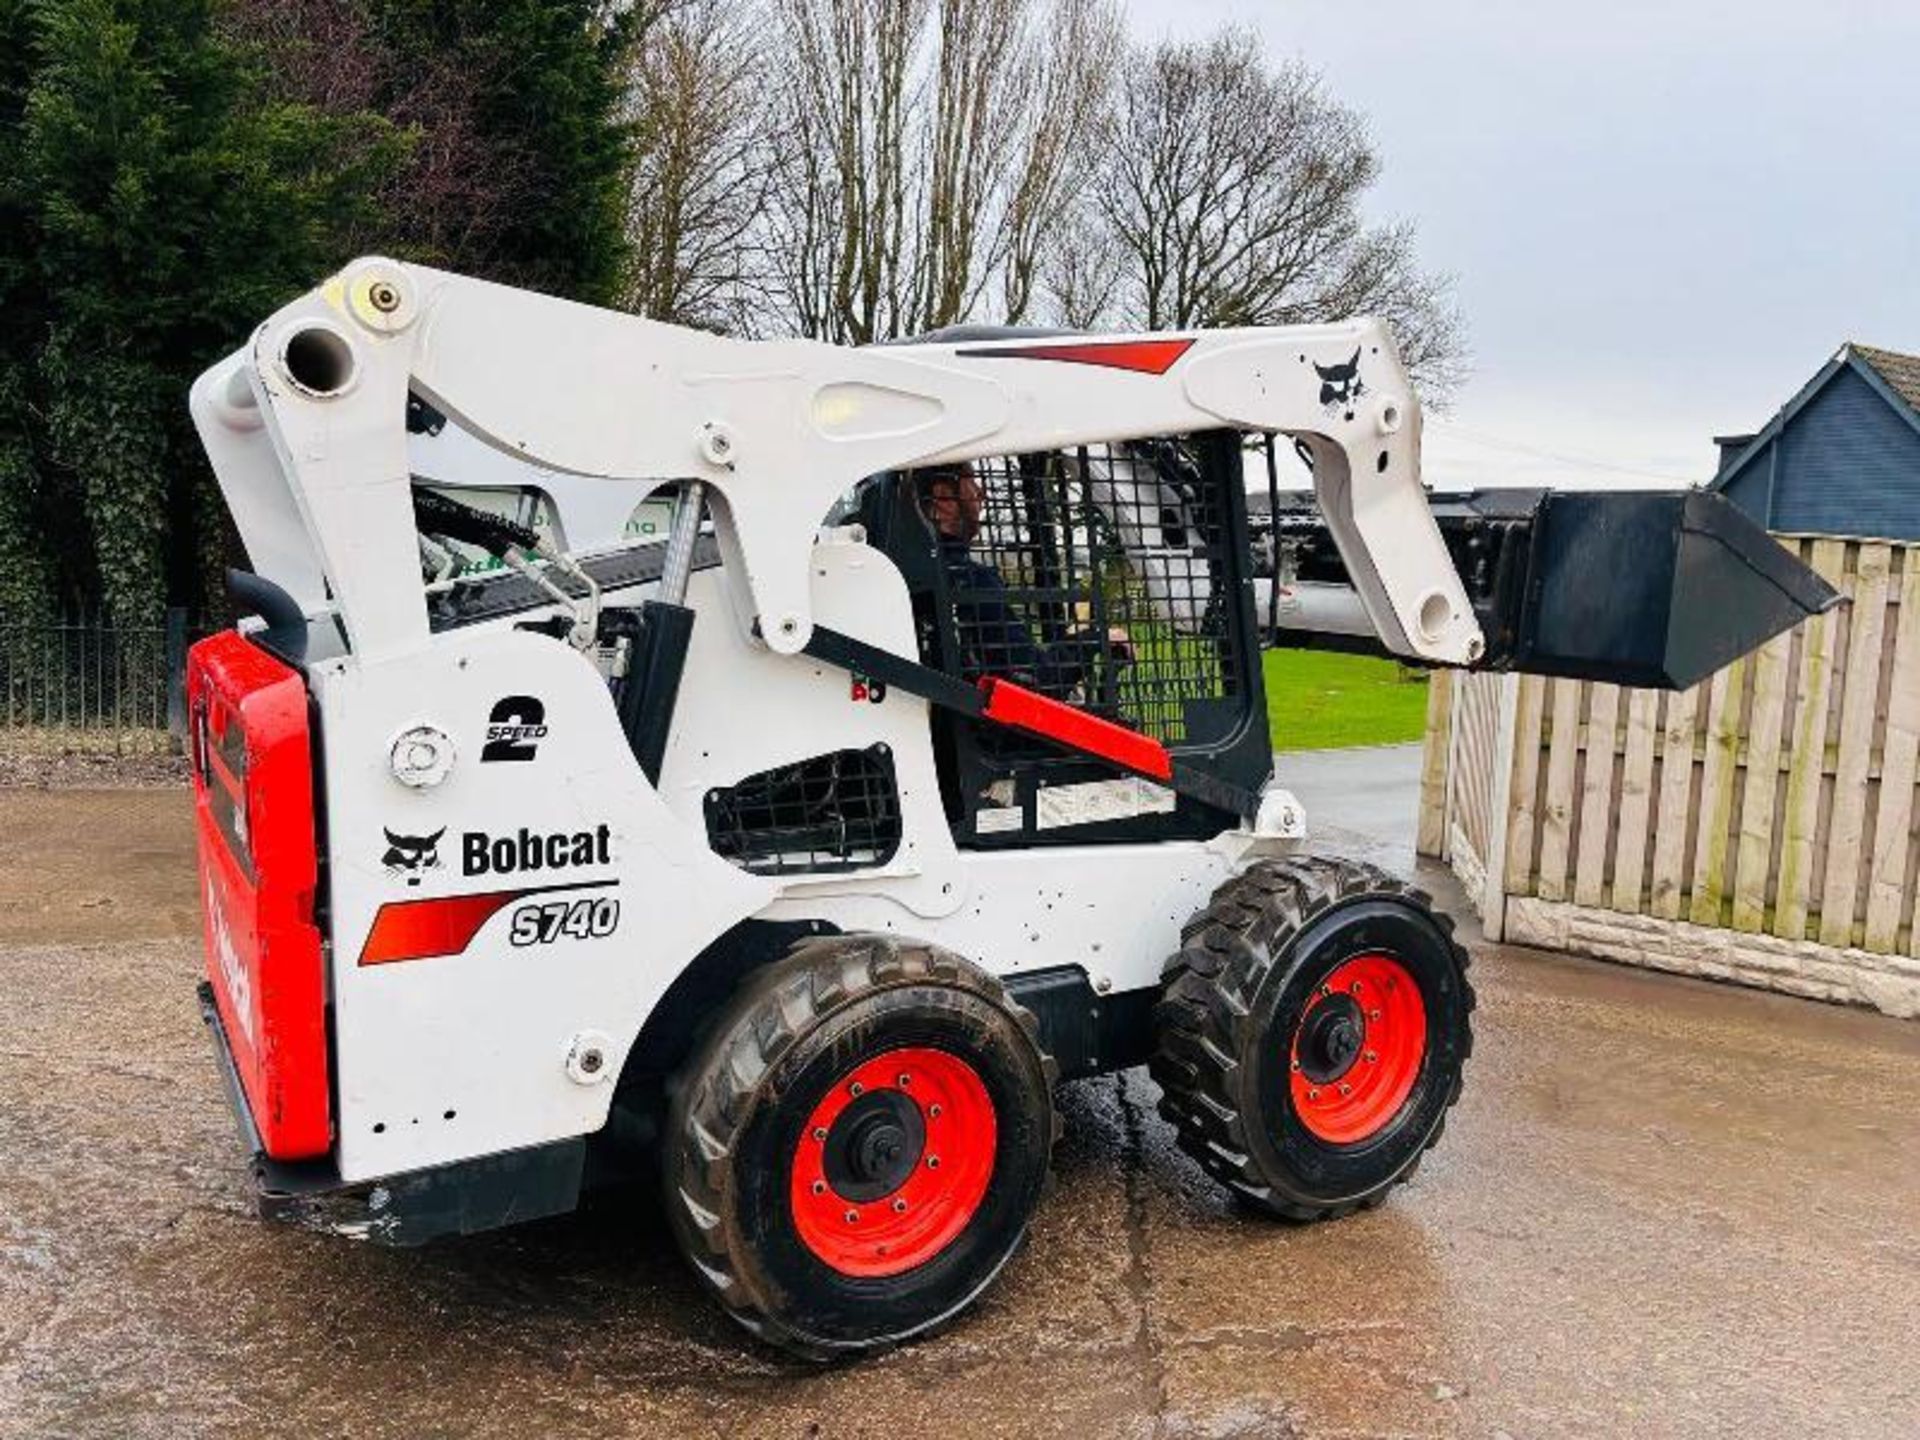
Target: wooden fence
{"points": [[1760, 827]]}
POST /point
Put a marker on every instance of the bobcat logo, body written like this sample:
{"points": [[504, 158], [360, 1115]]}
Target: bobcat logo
{"points": [[408, 855], [1340, 385]]}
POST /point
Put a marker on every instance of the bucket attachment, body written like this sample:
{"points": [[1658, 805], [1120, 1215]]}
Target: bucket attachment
{"points": [[1653, 589]]}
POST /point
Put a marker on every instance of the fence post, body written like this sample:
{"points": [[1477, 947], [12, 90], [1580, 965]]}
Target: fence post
{"points": [[1493, 890], [177, 672], [1434, 750]]}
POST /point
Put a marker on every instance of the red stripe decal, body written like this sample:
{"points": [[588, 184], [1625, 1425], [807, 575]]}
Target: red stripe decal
{"points": [[423, 929], [1149, 357], [1014, 705]]}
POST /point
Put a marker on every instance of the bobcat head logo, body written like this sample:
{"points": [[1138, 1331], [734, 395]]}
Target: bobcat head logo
{"points": [[408, 855], [1340, 385]]}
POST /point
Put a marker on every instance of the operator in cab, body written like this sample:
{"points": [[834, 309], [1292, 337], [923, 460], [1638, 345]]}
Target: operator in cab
{"points": [[995, 639]]}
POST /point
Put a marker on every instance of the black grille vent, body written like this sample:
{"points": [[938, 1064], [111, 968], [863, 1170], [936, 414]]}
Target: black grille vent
{"points": [[833, 812]]}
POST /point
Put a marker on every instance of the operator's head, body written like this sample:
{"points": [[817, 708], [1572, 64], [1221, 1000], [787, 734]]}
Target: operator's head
{"points": [[950, 498]]}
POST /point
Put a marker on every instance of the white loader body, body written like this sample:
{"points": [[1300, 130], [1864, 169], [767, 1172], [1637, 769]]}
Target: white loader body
{"points": [[515, 1037]]}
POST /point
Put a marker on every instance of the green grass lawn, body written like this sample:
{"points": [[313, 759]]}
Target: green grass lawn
{"points": [[1317, 700]]}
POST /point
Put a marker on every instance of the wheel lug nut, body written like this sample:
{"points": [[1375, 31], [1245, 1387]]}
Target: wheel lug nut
{"points": [[905, 1079], [1372, 1058], [819, 1132], [899, 1207], [933, 1112], [1345, 1089], [1296, 1067], [933, 1162], [1356, 987], [853, 1217], [1373, 1014], [1326, 990], [857, 1088], [819, 1187], [1313, 1094]]}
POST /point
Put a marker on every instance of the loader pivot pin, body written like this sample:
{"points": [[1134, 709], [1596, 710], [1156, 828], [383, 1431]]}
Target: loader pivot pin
{"points": [[876, 1151], [1352, 1069]]}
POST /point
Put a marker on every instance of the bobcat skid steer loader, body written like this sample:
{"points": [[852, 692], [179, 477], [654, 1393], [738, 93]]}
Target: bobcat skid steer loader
{"points": [[923, 764]]}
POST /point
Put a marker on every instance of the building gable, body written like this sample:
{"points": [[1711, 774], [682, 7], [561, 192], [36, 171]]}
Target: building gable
{"points": [[1843, 458]]}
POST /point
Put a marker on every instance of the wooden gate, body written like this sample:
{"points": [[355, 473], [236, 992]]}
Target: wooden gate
{"points": [[1759, 827]]}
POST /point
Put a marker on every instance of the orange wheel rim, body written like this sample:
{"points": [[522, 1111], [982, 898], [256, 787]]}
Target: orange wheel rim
{"points": [[1357, 1051], [893, 1162]]}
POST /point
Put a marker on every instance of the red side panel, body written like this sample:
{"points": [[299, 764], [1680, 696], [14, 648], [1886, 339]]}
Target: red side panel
{"points": [[253, 803], [1010, 704]]}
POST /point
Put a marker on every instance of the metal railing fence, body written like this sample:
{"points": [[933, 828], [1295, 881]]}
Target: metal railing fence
{"points": [[86, 683]]}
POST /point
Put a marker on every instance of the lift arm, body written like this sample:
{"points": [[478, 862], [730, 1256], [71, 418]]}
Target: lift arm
{"points": [[306, 429]]}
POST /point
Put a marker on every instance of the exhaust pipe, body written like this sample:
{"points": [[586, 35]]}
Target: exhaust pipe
{"points": [[286, 631]]}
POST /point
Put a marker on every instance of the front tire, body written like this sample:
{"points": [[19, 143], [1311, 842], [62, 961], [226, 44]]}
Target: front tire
{"points": [[855, 1151], [1311, 1034]]}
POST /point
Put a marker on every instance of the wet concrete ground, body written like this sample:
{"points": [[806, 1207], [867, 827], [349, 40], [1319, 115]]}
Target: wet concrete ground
{"points": [[1662, 1208], [1360, 802]]}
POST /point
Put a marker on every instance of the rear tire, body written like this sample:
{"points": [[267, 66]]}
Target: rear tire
{"points": [[854, 1152], [1311, 1034]]}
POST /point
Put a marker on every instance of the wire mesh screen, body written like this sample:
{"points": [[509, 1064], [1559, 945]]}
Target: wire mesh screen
{"points": [[1099, 577], [839, 811]]}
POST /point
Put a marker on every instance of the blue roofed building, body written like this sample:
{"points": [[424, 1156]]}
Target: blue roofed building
{"points": [[1841, 458]]}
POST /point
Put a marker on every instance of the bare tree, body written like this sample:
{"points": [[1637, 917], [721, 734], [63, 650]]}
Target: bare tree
{"points": [[861, 169], [698, 182], [1080, 278], [926, 152], [1233, 191], [845, 81], [1069, 89], [970, 116]]}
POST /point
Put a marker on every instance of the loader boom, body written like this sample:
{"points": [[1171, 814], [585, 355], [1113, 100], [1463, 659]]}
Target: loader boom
{"points": [[306, 431]]}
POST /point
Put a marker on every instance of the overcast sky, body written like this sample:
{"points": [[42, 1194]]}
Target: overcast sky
{"points": [[1663, 218]]}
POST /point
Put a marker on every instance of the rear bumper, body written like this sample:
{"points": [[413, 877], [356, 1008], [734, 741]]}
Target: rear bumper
{"points": [[463, 1198]]}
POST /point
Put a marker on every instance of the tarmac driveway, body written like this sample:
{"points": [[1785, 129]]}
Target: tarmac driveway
{"points": [[1662, 1208]]}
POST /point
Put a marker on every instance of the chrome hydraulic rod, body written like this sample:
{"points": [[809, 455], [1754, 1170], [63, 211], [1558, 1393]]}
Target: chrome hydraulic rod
{"points": [[677, 569]]}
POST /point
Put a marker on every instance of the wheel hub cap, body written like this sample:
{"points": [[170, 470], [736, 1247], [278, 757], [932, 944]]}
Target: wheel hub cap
{"points": [[874, 1145], [1331, 1037]]}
